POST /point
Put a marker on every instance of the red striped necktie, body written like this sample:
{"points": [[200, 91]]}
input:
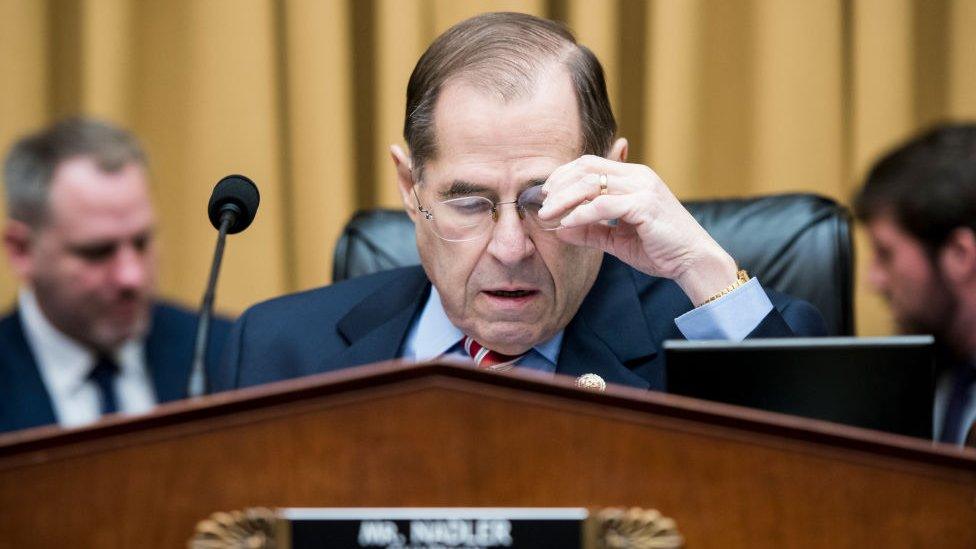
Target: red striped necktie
{"points": [[487, 359]]}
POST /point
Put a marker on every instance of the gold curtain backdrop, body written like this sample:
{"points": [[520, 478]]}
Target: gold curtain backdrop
{"points": [[721, 97]]}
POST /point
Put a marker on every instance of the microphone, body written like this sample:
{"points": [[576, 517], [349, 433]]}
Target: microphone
{"points": [[235, 196], [232, 207]]}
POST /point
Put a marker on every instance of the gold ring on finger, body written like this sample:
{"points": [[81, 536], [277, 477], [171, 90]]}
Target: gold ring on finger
{"points": [[603, 184]]}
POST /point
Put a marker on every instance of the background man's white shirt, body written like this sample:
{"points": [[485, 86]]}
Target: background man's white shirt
{"points": [[65, 365]]}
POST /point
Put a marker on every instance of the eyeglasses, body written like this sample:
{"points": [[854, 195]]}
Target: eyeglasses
{"points": [[470, 217]]}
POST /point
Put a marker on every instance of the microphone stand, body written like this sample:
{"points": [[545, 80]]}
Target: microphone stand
{"points": [[197, 384]]}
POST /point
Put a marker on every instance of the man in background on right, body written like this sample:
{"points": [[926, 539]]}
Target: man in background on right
{"points": [[919, 207]]}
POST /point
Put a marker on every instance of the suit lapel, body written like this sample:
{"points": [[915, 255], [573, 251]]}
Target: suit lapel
{"points": [[26, 400], [168, 355], [376, 328], [609, 335]]}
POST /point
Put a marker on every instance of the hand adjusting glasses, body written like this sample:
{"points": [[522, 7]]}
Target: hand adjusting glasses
{"points": [[470, 217]]}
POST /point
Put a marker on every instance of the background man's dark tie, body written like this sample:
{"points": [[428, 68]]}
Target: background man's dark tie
{"points": [[103, 374]]}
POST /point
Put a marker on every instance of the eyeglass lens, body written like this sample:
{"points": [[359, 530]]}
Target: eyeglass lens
{"points": [[467, 218]]}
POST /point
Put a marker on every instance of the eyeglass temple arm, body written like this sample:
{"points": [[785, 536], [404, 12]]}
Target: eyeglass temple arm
{"points": [[419, 205]]}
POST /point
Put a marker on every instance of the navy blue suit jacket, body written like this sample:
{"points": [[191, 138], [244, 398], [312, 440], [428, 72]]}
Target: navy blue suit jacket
{"points": [[25, 402], [617, 332]]}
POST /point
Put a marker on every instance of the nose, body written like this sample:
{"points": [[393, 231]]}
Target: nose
{"points": [[130, 269], [509, 242]]}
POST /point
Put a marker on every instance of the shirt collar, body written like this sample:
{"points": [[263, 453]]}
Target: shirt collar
{"points": [[63, 362], [436, 335], [550, 348]]}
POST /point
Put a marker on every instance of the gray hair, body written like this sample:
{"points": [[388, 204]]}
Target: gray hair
{"points": [[504, 53], [31, 162]]}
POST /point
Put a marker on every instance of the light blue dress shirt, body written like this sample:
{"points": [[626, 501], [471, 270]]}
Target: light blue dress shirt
{"points": [[731, 317], [943, 389]]}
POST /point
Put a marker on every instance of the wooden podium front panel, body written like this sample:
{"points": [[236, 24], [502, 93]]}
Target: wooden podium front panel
{"points": [[451, 441]]}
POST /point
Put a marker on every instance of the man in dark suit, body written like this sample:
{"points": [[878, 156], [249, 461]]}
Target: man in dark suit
{"points": [[86, 337], [919, 205], [533, 256]]}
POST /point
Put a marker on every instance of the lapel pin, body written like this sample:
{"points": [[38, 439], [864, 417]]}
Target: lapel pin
{"points": [[591, 382]]}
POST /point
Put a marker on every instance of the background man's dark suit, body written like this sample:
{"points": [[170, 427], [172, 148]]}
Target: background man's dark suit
{"points": [[25, 402], [617, 332]]}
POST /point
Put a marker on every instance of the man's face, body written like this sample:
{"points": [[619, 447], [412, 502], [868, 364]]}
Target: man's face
{"points": [[92, 263], [904, 274], [517, 285]]}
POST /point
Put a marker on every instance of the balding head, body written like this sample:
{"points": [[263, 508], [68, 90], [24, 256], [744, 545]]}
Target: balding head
{"points": [[505, 54]]}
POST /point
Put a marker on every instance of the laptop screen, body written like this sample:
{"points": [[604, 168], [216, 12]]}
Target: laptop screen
{"points": [[883, 383]]}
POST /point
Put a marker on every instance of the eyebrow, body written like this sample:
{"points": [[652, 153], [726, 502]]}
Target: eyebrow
{"points": [[81, 247], [461, 188]]}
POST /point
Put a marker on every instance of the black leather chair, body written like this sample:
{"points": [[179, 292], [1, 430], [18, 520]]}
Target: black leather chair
{"points": [[799, 244]]}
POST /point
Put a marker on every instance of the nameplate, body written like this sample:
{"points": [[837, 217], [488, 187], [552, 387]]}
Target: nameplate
{"points": [[436, 528], [416, 528]]}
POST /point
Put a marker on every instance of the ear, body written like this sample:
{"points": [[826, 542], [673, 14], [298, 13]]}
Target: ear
{"points": [[618, 151], [405, 181], [957, 258], [17, 243]]}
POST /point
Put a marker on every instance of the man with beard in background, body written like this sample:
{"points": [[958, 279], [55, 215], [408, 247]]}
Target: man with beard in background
{"points": [[919, 205]]}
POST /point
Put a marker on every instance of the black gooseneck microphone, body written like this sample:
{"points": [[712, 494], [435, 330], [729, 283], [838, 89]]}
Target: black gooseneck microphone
{"points": [[233, 204]]}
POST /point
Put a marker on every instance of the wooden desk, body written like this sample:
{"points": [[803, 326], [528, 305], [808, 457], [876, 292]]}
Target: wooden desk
{"points": [[445, 435]]}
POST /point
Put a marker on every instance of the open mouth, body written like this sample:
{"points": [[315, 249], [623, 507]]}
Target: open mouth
{"points": [[510, 293]]}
